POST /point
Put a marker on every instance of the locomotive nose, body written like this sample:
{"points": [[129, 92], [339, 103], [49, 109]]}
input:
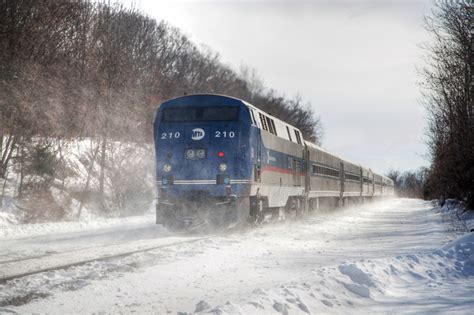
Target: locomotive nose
{"points": [[199, 152]]}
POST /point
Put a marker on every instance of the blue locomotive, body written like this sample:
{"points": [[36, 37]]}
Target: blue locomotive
{"points": [[221, 159]]}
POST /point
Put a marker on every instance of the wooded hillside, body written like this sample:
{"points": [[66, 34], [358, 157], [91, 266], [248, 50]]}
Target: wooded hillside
{"points": [[77, 69]]}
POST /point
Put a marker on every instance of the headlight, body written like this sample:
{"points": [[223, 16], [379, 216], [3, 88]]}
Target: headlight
{"points": [[222, 167], [167, 168], [200, 154], [190, 154]]}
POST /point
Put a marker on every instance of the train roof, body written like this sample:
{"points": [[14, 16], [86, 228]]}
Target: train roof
{"points": [[282, 128], [315, 146], [279, 124], [181, 100]]}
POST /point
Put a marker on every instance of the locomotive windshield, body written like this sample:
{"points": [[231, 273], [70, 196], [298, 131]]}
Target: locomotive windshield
{"points": [[198, 114]]}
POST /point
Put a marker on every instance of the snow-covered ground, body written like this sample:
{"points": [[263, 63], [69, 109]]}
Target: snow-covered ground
{"points": [[18, 231], [399, 255]]}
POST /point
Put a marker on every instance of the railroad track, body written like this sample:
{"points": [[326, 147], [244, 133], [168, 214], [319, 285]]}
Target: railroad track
{"points": [[27, 266]]}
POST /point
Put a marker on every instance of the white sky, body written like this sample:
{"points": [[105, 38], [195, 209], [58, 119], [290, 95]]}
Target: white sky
{"points": [[355, 61]]}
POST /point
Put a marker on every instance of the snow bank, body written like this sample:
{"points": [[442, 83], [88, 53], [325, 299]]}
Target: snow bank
{"points": [[128, 186], [371, 285], [463, 241], [455, 209], [8, 214], [7, 219], [14, 231]]}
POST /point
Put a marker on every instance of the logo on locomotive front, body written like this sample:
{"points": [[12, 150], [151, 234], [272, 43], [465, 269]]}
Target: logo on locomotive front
{"points": [[198, 134]]}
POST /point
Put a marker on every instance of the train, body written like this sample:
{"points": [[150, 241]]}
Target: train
{"points": [[221, 159]]}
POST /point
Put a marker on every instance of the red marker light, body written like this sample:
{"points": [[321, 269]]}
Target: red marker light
{"points": [[220, 154]]}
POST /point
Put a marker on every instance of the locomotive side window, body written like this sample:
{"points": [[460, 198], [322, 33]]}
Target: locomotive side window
{"points": [[289, 133], [271, 125], [298, 137], [191, 114], [264, 123], [252, 117], [274, 128]]}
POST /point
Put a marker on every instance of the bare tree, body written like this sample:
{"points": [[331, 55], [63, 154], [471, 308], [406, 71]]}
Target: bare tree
{"points": [[447, 80]]}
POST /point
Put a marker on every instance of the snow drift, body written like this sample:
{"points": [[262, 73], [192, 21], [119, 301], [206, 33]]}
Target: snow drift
{"points": [[405, 282]]}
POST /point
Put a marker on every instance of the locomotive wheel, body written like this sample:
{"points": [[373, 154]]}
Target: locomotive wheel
{"points": [[278, 214], [164, 215], [240, 213], [159, 216], [275, 214], [299, 208], [291, 207], [257, 215], [169, 220]]}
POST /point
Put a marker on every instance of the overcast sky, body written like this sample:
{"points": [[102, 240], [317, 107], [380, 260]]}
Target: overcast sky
{"points": [[354, 61]]}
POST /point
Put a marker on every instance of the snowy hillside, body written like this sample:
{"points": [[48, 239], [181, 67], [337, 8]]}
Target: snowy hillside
{"points": [[73, 192]]}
